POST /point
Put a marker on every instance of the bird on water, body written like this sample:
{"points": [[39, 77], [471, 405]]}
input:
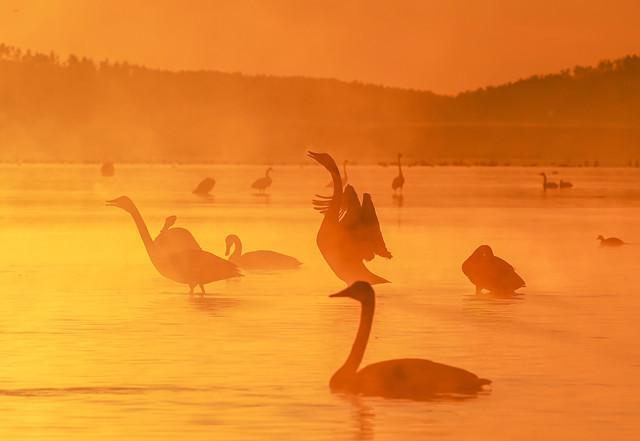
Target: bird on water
{"points": [[546, 184], [350, 231], [175, 253], [610, 241], [261, 184], [487, 271], [408, 378], [204, 187], [259, 259], [398, 181]]}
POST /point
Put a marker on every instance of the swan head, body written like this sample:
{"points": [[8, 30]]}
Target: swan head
{"points": [[122, 202], [168, 223], [543, 174], [325, 160], [360, 291]]}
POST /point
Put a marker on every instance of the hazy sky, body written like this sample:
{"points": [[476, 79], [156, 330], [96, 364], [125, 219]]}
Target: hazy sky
{"points": [[440, 45]]}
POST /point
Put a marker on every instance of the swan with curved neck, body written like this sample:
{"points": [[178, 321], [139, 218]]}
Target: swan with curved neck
{"points": [[259, 259], [546, 184], [348, 233], [408, 378], [178, 257], [398, 181], [345, 176]]}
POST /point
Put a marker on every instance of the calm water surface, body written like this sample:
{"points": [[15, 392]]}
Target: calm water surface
{"points": [[96, 345]]}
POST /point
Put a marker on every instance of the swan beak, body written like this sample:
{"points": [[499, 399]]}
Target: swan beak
{"points": [[344, 293], [111, 203]]}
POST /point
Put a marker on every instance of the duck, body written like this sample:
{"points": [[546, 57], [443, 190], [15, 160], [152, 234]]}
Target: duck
{"points": [[610, 241]]}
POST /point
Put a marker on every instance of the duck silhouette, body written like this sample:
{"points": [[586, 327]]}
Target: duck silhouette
{"points": [[610, 241]]}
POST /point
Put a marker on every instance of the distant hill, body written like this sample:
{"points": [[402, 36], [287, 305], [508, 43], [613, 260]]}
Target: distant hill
{"points": [[82, 110]]}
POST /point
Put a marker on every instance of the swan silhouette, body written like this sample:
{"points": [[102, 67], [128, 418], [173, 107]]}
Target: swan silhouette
{"points": [[175, 253], [349, 232], [398, 181], [204, 187], [259, 259], [565, 184], [408, 378], [547, 184], [264, 182], [610, 241], [487, 271], [345, 176]]}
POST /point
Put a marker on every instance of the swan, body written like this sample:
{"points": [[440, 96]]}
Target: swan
{"points": [[408, 378], [487, 271], [263, 183], [345, 176], [398, 181], [204, 187], [176, 257], [260, 259], [349, 232], [565, 184], [610, 241], [547, 184]]}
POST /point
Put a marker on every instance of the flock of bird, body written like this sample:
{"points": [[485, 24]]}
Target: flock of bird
{"points": [[349, 235]]}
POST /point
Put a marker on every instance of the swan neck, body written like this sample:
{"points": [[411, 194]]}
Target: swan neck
{"points": [[143, 230], [362, 338], [399, 166], [237, 248]]}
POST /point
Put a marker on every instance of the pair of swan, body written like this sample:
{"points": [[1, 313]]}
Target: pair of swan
{"points": [[350, 231], [550, 185], [176, 254], [408, 378], [487, 271]]}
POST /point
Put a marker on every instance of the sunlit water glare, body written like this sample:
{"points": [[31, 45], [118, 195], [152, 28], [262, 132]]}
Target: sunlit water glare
{"points": [[96, 345]]}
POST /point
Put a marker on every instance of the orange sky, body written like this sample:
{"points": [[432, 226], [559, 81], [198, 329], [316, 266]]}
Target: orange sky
{"points": [[444, 46]]}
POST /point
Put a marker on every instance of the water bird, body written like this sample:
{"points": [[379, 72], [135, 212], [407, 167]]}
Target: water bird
{"points": [[487, 271], [408, 378], [175, 253], [546, 184], [107, 169], [345, 176], [610, 241], [264, 182], [349, 232], [204, 187], [259, 259], [398, 181], [565, 184]]}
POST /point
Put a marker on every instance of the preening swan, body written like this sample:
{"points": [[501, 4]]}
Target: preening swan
{"points": [[204, 187], [487, 271], [398, 181], [408, 378], [260, 259], [176, 254], [610, 241], [350, 232], [263, 183], [546, 184]]}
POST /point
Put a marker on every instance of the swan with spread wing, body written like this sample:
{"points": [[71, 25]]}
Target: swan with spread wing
{"points": [[350, 231]]}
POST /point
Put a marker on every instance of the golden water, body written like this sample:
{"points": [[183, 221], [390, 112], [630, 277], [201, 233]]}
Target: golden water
{"points": [[96, 345]]}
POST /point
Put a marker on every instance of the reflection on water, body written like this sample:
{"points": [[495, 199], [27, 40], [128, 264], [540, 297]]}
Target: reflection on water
{"points": [[97, 345]]}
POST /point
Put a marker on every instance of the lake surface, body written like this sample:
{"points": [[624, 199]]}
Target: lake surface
{"points": [[96, 345]]}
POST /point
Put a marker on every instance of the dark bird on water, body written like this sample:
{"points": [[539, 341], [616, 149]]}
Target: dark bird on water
{"points": [[261, 184], [349, 232], [398, 181], [546, 184], [107, 170], [487, 271], [408, 378], [204, 187], [610, 241], [565, 184], [259, 259]]}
